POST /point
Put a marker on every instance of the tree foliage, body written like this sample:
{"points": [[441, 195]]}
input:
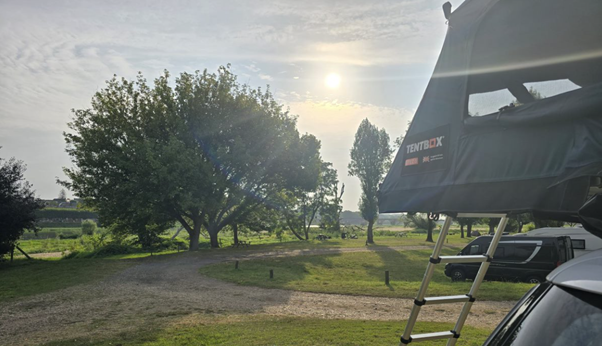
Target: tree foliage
{"points": [[370, 160], [18, 204], [205, 152], [301, 206]]}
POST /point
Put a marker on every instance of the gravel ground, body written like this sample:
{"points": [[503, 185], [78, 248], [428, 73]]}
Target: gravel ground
{"points": [[162, 289]]}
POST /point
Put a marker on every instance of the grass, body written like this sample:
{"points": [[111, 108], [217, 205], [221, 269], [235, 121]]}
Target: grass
{"points": [[24, 278], [49, 245], [255, 330], [360, 273]]}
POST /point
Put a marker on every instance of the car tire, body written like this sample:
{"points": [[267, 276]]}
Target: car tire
{"points": [[534, 279], [458, 275]]}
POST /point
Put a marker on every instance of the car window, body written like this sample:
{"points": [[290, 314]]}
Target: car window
{"points": [[578, 244], [474, 250], [522, 252], [562, 317]]}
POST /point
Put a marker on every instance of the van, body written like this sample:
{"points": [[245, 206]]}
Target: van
{"points": [[583, 241], [524, 259]]}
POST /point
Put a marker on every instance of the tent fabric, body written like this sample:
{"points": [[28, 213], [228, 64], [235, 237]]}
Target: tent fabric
{"points": [[539, 156]]}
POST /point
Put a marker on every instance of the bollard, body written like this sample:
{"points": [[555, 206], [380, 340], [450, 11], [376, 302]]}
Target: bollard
{"points": [[271, 273], [236, 265], [387, 277]]}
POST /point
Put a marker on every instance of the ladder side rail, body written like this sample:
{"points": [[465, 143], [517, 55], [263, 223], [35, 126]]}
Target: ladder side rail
{"points": [[477, 281], [430, 268]]}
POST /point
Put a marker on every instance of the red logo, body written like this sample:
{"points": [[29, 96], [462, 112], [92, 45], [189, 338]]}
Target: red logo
{"points": [[412, 161], [426, 159]]}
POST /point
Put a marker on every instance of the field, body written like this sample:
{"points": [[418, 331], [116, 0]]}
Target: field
{"points": [[49, 239], [198, 298], [24, 278], [267, 330], [358, 273]]}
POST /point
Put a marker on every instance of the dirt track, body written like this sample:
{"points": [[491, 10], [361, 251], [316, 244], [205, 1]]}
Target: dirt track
{"points": [[160, 288]]}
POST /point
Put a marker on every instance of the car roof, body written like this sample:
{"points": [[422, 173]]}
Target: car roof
{"points": [[583, 273], [515, 238]]}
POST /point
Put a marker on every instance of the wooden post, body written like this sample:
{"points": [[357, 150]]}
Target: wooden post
{"points": [[12, 253], [387, 277], [271, 273], [236, 265]]}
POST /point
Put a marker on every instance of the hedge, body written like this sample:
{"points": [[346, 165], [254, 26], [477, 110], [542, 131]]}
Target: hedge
{"points": [[65, 213]]}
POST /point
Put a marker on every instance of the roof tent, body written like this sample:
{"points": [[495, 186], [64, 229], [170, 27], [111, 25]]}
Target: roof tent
{"points": [[511, 120]]}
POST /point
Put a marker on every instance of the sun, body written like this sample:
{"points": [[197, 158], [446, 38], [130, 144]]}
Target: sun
{"points": [[333, 80]]}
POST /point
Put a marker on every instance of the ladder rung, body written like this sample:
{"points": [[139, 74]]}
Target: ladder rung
{"points": [[446, 299], [463, 259], [433, 336]]}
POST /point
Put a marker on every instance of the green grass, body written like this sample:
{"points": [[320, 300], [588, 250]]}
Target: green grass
{"points": [[49, 245], [360, 273], [29, 277], [254, 330]]}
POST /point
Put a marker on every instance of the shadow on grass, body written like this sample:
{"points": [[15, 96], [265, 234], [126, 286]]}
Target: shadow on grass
{"points": [[252, 330]]}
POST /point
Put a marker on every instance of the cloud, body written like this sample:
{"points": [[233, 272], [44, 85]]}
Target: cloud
{"points": [[265, 77], [252, 68]]}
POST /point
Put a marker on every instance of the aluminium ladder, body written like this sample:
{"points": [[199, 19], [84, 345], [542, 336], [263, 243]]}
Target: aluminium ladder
{"points": [[467, 299]]}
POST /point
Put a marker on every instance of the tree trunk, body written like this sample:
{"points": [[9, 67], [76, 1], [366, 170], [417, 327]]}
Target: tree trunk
{"points": [[491, 229], [461, 231], [235, 231], [370, 239], [469, 230], [194, 237], [520, 226], [429, 231], [213, 239], [306, 231]]}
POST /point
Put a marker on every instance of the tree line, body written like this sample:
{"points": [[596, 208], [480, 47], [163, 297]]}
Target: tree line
{"points": [[205, 152]]}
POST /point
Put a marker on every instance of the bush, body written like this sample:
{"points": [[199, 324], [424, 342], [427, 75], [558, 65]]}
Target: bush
{"points": [[88, 227], [69, 235], [420, 231], [529, 227]]}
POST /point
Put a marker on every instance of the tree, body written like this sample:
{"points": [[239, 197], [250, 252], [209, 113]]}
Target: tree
{"points": [[370, 160], [331, 210], [204, 153], [421, 221], [88, 227], [63, 195], [468, 222], [301, 206], [18, 204]]}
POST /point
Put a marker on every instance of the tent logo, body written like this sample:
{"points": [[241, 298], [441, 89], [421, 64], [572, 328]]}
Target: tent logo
{"points": [[434, 142]]}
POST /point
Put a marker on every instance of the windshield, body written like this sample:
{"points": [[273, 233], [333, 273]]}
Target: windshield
{"points": [[563, 317]]}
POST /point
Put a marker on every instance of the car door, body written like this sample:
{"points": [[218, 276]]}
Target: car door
{"points": [[500, 265]]}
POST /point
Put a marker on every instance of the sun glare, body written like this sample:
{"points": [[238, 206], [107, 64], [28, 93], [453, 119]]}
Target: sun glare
{"points": [[333, 80]]}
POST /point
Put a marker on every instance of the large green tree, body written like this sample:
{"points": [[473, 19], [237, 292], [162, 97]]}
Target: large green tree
{"points": [[205, 152], [370, 160], [18, 204]]}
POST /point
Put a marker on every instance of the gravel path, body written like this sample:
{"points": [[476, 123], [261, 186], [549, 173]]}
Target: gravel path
{"points": [[159, 289]]}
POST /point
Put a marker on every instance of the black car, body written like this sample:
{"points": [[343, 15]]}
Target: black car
{"points": [[566, 310], [516, 258]]}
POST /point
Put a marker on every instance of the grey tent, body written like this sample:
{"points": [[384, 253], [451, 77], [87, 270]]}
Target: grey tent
{"points": [[521, 152]]}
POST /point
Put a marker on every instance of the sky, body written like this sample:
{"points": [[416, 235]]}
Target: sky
{"points": [[55, 54]]}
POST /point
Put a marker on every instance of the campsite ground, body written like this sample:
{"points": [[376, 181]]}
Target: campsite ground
{"points": [[164, 300]]}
